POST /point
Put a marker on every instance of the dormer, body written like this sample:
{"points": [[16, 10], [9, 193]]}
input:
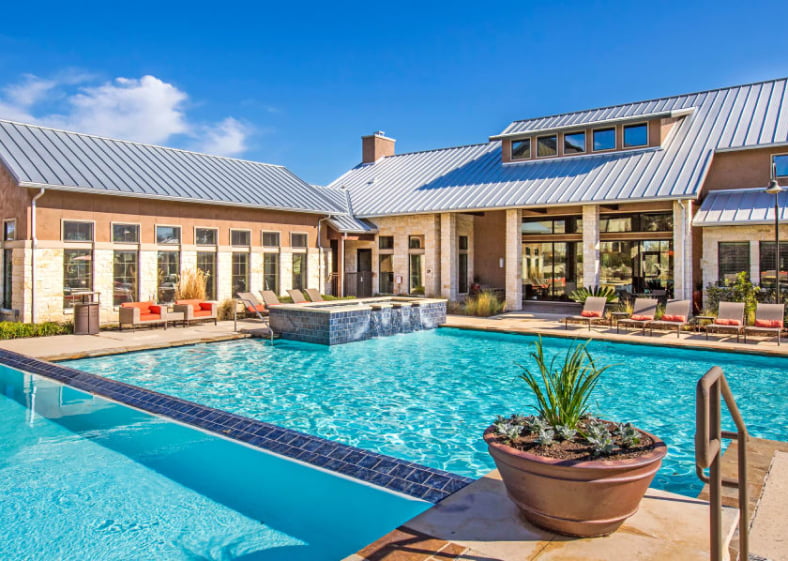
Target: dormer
{"points": [[540, 139]]}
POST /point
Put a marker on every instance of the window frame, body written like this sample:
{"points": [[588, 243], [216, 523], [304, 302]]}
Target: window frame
{"points": [[774, 165], [585, 143], [112, 232], [743, 244], [278, 239], [136, 295], [538, 138], [63, 230], [277, 275], [240, 230], [380, 243], [306, 240], [521, 158], [624, 145], [211, 228], [168, 244], [420, 239], [91, 275], [5, 230], [601, 129]]}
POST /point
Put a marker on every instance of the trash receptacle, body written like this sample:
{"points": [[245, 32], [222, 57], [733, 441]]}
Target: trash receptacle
{"points": [[86, 318]]}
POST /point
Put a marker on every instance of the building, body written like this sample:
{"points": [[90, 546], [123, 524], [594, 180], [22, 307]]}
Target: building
{"points": [[659, 195]]}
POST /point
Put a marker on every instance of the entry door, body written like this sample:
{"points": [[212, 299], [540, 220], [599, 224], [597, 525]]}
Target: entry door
{"points": [[364, 268]]}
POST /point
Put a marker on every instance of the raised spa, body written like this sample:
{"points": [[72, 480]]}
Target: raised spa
{"points": [[344, 321]]}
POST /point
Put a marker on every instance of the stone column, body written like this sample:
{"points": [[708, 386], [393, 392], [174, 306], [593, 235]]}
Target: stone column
{"points": [[591, 245], [682, 249], [224, 273], [285, 270], [514, 260], [103, 282], [255, 270], [448, 256], [755, 261], [148, 273]]}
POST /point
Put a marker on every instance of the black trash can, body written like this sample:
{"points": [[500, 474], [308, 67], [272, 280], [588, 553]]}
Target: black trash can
{"points": [[86, 318]]}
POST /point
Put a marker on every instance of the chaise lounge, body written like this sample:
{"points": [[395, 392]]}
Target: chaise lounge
{"points": [[314, 294], [643, 311], [676, 316], [769, 321], [297, 296], [141, 313], [252, 305], [196, 310], [730, 319], [593, 312]]}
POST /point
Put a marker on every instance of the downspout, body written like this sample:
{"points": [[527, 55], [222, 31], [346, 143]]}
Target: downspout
{"points": [[34, 244]]}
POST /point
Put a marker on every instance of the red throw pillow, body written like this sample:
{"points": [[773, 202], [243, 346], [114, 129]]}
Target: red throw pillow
{"points": [[668, 317], [586, 314], [768, 323], [206, 306], [734, 322], [639, 317]]}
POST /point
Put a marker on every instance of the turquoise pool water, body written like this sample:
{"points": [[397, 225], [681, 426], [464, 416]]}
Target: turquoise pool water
{"points": [[428, 396], [84, 479]]}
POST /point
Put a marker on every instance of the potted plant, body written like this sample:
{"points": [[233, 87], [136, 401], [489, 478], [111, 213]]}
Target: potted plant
{"points": [[566, 470]]}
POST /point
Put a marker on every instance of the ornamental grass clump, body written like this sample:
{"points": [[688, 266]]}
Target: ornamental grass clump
{"points": [[563, 426]]}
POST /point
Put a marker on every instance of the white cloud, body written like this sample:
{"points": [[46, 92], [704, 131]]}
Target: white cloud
{"points": [[146, 109]]}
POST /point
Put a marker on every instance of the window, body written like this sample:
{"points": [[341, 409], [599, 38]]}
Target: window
{"points": [[271, 272], [9, 230], [168, 235], [571, 225], [551, 270], [77, 231], [415, 242], [546, 146], [575, 143], [8, 271], [463, 243], [270, 239], [521, 149], [206, 262], [386, 273], [635, 135], [169, 268], [386, 242], [766, 265], [77, 275], [416, 274], [462, 263], [299, 271], [298, 240], [732, 259], [780, 163], [126, 233], [124, 277], [615, 224], [604, 139], [240, 238], [652, 222], [661, 222], [240, 274], [205, 236]]}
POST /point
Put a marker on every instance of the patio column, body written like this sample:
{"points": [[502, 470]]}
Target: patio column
{"points": [[682, 249], [513, 257], [590, 245], [448, 259], [755, 261]]}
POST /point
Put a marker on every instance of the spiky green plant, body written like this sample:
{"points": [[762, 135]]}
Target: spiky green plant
{"points": [[562, 389], [581, 294]]}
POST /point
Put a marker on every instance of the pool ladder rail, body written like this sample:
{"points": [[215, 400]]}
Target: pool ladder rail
{"points": [[264, 331], [708, 454]]}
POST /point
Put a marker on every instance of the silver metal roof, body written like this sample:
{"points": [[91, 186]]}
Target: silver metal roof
{"points": [[474, 177], [350, 225], [44, 157], [740, 207]]}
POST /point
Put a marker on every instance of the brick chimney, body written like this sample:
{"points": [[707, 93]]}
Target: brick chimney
{"points": [[376, 146]]}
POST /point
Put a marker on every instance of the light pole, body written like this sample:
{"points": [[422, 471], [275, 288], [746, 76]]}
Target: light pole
{"points": [[775, 189]]}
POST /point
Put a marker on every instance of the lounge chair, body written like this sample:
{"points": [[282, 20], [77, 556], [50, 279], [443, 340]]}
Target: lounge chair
{"points": [[141, 313], [677, 314], [196, 310], [270, 298], [314, 294], [769, 320], [252, 305], [297, 296], [643, 311], [730, 319], [593, 312]]}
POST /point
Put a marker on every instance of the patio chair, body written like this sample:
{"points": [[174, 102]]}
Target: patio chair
{"points": [[297, 296], [252, 305], [769, 320], [730, 319], [643, 311], [593, 312], [270, 298], [677, 315], [314, 294], [196, 310]]}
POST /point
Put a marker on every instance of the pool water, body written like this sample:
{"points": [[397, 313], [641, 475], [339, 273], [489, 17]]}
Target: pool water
{"points": [[428, 396], [83, 478]]}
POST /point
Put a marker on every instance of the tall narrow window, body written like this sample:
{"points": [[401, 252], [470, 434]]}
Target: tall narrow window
{"points": [[9, 234], [271, 272], [462, 262], [767, 268], [77, 275], [206, 262], [299, 271], [386, 278], [9, 230], [169, 269], [240, 276], [416, 274], [124, 277]]}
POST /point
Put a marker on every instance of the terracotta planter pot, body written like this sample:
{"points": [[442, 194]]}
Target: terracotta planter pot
{"points": [[576, 498]]}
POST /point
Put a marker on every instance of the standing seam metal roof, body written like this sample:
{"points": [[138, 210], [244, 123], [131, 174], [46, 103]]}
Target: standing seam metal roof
{"points": [[39, 156], [474, 178], [740, 207]]}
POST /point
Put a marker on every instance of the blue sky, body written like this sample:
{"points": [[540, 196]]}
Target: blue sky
{"points": [[298, 83]]}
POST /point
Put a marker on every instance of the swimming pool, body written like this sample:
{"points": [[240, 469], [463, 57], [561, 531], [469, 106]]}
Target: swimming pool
{"points": [[85, 478], [428, 396]]}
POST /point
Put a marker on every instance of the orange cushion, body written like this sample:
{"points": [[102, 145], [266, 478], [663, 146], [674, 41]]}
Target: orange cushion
{"points": [[202, 313], [258, 308], [143, 306], [195, 304], [149, 317], [586, 314], [638, 317], [768, 323], [734, 322], [667, 317]]}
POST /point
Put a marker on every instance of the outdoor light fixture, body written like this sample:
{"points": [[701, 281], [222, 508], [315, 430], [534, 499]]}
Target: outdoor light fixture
{"points": [[500, 262], [775, 189]]}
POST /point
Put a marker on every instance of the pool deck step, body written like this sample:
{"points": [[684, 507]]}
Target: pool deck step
{"points": [[480, 523], [769, 531]]}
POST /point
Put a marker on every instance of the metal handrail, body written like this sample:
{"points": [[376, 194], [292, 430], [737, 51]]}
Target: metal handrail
{"points": [[708, 447]]}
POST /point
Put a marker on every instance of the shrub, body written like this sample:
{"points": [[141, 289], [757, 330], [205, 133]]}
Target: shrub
{"points": [[225, 309], [486, 303], [16, 330], [191, 285], [741, 290], [581, 294]]}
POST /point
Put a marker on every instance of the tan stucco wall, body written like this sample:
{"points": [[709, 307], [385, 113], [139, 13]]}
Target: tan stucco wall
{"points": [[741, 169], [489, 244], [14, 203]]}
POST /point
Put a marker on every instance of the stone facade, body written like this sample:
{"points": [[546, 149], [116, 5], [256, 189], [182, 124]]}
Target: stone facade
{"points": [[755, 234]]}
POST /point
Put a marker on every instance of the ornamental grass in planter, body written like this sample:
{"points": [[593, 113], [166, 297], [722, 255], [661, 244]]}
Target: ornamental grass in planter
{"points": [[567, 471]]}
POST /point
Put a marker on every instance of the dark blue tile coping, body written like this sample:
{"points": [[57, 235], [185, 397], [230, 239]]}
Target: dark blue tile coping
{"points": [[405, 477]]}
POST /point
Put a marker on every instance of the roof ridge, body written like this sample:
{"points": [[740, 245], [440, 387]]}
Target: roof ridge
{"points": [[648, 100], [440, 149], [136, 143]]}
